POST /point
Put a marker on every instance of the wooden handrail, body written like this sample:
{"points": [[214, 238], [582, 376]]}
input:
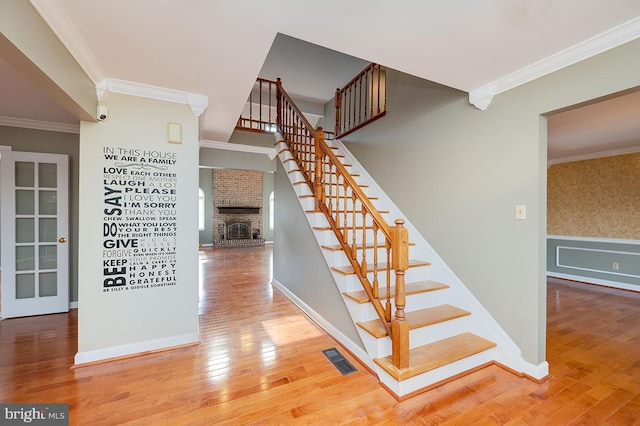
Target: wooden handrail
{"points": [[334, 190], [295, 108]]}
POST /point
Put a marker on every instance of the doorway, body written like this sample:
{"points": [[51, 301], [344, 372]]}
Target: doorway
{"points": [[34, 233]]}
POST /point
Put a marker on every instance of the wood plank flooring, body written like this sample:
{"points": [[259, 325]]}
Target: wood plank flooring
{"points": [[260, 362]]}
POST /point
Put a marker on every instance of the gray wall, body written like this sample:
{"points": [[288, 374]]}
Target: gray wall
{"points": [[224, 159], [265, 140], [298, 263], [458, 173], [29, 140], [206, 184]]}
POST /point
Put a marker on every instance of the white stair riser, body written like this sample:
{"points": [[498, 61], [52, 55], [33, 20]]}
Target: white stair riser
{"points": [[414, 302], [438, 375], [376, 348], [433, 333]]}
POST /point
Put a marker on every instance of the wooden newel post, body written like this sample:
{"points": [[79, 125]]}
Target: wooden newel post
{"points": [[338, 106], [317, 184], [399, 324]]}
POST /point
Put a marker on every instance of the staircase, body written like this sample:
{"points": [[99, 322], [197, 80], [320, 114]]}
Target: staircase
{"points": [[419, 324], [450, 334]]}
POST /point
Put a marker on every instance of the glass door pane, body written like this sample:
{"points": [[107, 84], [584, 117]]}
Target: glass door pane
{"points": [[35, 230]]}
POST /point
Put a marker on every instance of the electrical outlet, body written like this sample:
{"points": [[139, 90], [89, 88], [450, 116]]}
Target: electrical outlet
{"points": [[615, 266]]}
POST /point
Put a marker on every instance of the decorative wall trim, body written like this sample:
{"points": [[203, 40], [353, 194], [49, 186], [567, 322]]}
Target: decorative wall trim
{"points": [[593, 155], [590, 280], [63, 27], [39, 125], [607, 40], [271, 152], [135, 348], [593, 239], [356, 350], [602, 271], [198, 103]]}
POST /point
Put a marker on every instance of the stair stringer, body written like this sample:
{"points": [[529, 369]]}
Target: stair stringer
{"points": [[506, 352]]}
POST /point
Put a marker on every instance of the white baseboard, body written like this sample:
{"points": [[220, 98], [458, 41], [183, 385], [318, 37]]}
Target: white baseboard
{"points": [[536, 371], [355, 349], [73, 305], [135, 348], [596, 281]]}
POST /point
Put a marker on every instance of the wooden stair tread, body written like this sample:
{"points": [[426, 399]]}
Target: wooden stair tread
{"points": [[434, 355], [417, 319], [417, 287], [311, 196], [328, 228], [340, 212], [352, 174], [341, 184], [348, 269], [338, 247]]}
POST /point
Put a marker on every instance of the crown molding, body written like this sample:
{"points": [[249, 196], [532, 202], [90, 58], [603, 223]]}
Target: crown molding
{"points": [[271, 152], [39, 125], [481, 97], [198, 103], [68, 33], [594, 155]]}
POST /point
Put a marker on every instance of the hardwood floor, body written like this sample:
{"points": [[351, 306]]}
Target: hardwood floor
{"points": [[260, 362]]}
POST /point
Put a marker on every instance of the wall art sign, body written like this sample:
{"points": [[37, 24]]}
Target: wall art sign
{"points": [[139, 219]]}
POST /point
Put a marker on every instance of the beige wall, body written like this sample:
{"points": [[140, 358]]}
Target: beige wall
{"points": [[595, 198], [134, 318]]}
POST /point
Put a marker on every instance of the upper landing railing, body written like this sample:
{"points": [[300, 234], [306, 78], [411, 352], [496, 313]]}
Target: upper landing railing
{"points": [[362, 100], [259, 114]]}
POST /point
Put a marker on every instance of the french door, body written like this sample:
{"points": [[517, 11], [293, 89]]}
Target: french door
{"points": [[34, 205]]}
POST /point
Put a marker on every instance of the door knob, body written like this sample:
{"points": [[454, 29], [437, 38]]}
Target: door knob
{"points": [[62, 240]]}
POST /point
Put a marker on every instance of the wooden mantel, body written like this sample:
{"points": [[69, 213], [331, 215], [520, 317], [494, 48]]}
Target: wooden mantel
{"points": [[239, 210]]}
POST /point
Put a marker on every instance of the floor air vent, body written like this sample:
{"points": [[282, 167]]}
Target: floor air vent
{"points": [[336, 358]]}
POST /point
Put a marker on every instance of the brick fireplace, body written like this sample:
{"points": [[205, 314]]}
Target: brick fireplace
{"points": [[237, 213]]}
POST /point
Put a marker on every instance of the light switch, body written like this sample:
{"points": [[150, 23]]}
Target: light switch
{"points": [[521, 212]]}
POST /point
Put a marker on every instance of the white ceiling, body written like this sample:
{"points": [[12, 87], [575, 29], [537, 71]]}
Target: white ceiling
{"points": [[217, 48]]}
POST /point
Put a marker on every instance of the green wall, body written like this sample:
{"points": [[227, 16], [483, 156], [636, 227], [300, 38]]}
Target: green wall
{"points": [[298, 263], [267, 188], [206, 184], [29, 140]]}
